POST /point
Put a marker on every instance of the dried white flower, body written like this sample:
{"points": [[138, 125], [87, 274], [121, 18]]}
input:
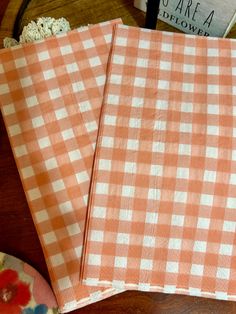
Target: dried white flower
{"points": [[9, 42], [44, 25], [30, 33], [60, 26]]}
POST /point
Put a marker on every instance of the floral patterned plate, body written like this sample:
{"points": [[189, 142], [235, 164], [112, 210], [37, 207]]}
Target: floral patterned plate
{"points": [[23, 290]]}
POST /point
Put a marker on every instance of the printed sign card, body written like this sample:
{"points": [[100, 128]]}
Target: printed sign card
{"points": [[198, 17]]}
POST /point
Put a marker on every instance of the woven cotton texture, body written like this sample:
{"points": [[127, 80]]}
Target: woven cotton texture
{"points": [[162, 205], [51, 95]]}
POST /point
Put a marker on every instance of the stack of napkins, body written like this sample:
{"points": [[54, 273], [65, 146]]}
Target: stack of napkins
{"points": [[125, 141], [51, 94]]}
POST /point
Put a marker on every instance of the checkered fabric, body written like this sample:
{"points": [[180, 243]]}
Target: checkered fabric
{"points": [[51, 95], [162, 213]]}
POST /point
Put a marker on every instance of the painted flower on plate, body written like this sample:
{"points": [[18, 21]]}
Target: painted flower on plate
{"points": [[14, 294], [39, 309]]}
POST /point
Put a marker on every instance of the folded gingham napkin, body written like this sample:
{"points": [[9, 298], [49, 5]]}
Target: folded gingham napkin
{"points": [[162, 208], [51, 94]]}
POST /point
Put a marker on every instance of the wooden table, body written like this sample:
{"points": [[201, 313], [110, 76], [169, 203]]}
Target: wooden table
{"points": [[17, 233]]}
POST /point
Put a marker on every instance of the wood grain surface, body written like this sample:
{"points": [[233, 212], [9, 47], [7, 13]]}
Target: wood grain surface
{"points": [[17, 233], [3, 6], [8, 21]]}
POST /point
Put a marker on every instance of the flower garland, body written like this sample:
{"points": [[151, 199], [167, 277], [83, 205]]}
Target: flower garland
{"points": [[41, 28]]}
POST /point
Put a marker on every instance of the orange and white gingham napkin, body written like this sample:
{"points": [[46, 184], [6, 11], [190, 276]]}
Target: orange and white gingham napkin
{"points": [[51, 95], [162, 213]]}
